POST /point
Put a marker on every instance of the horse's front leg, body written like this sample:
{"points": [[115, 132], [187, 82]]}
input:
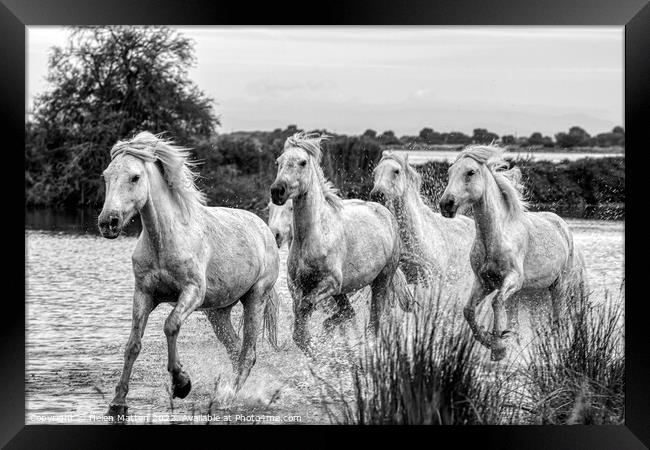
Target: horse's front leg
{"points": [[190, 298], [479, 293], [303, 307], [511, 284], [142, 306]]}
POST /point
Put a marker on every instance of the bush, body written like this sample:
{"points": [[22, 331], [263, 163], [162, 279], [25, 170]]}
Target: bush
{"points": [[429, 371]]}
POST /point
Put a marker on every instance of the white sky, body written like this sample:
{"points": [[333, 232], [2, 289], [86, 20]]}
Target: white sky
{"points": [[512, 80]]}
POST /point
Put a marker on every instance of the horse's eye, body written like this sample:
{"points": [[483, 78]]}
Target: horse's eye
{"points": [[396, 171], [471, 172], [135, 178], [303, 163]]}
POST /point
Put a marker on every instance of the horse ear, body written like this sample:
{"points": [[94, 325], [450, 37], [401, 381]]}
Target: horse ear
{"points": [[385, 153]]}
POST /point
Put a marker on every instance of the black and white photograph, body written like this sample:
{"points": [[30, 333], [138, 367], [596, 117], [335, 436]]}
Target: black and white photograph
{"points": [[321, 225]]}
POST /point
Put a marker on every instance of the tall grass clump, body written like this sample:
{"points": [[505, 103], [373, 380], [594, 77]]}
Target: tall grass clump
{"points": [[426, 370], [576, 372]]}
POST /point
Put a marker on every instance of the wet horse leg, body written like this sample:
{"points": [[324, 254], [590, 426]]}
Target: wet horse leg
{"points": [[223, 329], [511, 284], [303, 307], [253, 302], [343, 313], [378, 310], [190, 298], [479, 293], [142, 306]]}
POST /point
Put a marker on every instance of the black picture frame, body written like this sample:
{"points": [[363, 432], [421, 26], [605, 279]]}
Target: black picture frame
{"points": [[15, 15]]}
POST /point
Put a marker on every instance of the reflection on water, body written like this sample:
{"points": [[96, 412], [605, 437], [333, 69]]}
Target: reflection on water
{"points": [[79, 289]]}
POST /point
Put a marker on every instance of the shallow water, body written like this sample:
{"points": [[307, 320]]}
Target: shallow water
{"points": [[78, 317]]}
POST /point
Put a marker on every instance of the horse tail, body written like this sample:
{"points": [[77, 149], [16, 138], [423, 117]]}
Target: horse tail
{"points": [[399, 291], [271, 309]]}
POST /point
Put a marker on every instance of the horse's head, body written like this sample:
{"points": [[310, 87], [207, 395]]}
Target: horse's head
{"points": [[465, 186], [281, 222], [127, 189], [392, 177], [294, 175]]}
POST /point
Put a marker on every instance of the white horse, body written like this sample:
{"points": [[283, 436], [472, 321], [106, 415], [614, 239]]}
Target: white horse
{"points": [[189, 255], [281, 222], [514, 249], [338, 246], [435, 250]]}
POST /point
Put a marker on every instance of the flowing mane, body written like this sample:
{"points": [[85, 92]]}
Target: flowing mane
{"points": [[508, 181], [412, 176], [174, 163], [310, 142]]}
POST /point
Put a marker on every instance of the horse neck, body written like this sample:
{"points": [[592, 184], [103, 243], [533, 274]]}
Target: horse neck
{"points": [[308, 210], [162, 219], [490, 214], [409, 211]]}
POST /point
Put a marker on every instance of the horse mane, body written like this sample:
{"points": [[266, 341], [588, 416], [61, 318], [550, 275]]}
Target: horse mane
{"points": [[311, 143], [413, 178], [172, 160], [508, 180]]}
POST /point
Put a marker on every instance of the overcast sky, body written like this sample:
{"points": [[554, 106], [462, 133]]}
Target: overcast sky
{"points": [[512, 80]]}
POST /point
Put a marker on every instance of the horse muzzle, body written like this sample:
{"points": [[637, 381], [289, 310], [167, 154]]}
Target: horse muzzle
{"points": [[279, 193], [110, 224], [448, 207]]}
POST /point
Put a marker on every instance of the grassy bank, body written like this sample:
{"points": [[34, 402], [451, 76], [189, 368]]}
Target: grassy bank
{"points": [[430, 375]]}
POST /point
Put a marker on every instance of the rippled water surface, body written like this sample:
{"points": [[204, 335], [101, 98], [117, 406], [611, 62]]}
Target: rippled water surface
{"points": [[79, 289]]}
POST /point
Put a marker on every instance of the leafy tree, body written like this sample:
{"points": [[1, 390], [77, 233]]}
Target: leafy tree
{"points": [[508, 139], [388, 138], [106, 84], [370, 133], [576, 137], [536, 139], [483, 136], [456, 137]]}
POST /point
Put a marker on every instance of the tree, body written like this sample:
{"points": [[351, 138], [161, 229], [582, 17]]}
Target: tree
{"points": [[483, 136], [576, 137], [508, 139], [370, 133], [106, 84], [388, 138], [536, 139]]}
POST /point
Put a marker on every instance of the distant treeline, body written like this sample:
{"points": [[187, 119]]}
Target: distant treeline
{"points": [[576, 137], [240, 167]]}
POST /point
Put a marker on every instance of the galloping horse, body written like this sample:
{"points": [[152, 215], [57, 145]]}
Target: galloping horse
{"points": [[338, 246], [281, 222], [514, 249], [435, 250], [189, 255]]}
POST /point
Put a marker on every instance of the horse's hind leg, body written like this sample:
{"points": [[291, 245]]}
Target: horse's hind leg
{"points": [[343, 313], [220, 320], [190, 299], [142, 306], [253, 302]]}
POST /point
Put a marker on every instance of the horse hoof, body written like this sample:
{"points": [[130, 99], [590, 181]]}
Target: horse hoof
{"points": [[182, 386], [116, 411]]}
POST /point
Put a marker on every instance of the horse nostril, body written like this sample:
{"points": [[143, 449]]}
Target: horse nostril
{"points": [[114, 223], [277, 194]]}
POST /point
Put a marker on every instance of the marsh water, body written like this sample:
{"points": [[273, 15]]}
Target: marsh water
{"points": [[78, 317]]}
